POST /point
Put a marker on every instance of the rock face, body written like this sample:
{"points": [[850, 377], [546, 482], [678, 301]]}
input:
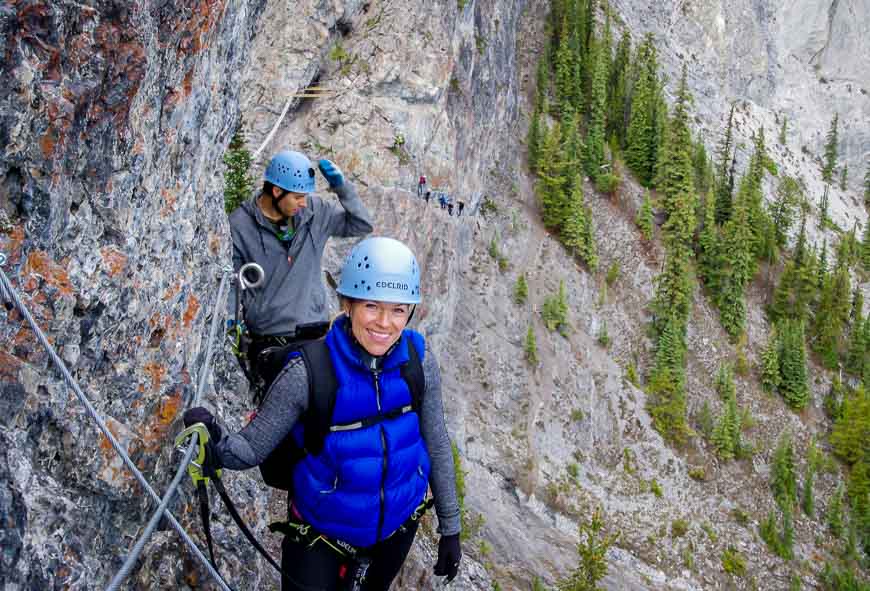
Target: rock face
{"points": [[113, 118], [113, 123]]}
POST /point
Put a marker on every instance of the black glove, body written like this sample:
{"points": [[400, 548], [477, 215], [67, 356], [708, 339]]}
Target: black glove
{"points": [[199, 414], [449, 555]]}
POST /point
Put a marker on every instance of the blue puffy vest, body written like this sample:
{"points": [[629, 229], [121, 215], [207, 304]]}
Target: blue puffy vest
{"points": [[366, 482]]}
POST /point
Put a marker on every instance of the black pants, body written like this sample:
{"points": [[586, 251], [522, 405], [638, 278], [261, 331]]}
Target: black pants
{"points": [[320, 567]]}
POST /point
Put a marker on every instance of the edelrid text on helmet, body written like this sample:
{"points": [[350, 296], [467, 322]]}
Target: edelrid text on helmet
{"points": [[292, 171], [383, 270]]}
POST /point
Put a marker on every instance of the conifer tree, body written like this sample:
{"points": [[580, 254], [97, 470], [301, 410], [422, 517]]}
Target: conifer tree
{"points": [[783, 473], [675, 170], [830, 157], [823, 207], [533, 140], [238, 183], [550, 185], [770, 372], [724, 175], [844, 177], [617, 91], [726, 434], [542, 81], [592, 551], [867, 186], [788, 196], [793, 364], [865, 247], [703, 170], [572, 149], [666, 386], [822, 271], [857, 349], [577, 233], [643, 129], [831, 316], [521, 290], [851, 435], [531, 347], [808, 501], [673, 290], [709, 255], [566, 67], [783, 130], [738, 268], [856, 312], [597, 114], [644, 219]]}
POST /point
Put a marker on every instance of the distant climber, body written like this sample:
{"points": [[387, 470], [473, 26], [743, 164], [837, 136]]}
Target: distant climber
{"points": [[442, 201], [450, 208], [284, 229], [461, 207], [428, 194], [421, 186]]}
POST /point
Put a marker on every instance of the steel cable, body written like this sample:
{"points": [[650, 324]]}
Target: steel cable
{"points": [[59, 364], [131, 559]]}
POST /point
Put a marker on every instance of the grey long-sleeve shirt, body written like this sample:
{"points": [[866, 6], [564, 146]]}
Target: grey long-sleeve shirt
{"points": [[293, 291], [288, 399]]}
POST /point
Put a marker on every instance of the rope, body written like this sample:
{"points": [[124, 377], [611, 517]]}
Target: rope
{"points": [[188, 456], [59, 364], [274, 128]]}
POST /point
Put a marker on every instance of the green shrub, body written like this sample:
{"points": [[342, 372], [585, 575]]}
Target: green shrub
{"points": [[238, 184], [655, 488], [555, 310], [603, 336], [612, 273], [733, 562], [521, 290], [531, 347], [679, 528]]}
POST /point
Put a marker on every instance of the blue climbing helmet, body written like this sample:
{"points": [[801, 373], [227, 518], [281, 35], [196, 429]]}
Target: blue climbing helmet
{"points": [[383, 270], [292, 171]]}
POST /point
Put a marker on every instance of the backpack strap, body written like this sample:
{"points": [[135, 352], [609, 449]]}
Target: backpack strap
{"points": [[412, 373], [322, 386]]}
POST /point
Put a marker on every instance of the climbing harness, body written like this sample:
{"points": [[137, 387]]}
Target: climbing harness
{"points": [[237, 333], [302, 533]]}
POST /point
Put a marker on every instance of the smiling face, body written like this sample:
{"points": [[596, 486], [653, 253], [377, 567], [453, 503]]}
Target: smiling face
{"points": [[377, 325]]}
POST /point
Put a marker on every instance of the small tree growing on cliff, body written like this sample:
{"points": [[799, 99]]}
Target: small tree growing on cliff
{"points": [[521, 290], [531, 347], [867, 186], [830, 159], [593, 547], [238, 184], [644, 219]]}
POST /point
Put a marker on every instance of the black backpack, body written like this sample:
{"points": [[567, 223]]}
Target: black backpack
{"points": [[277, 469]]}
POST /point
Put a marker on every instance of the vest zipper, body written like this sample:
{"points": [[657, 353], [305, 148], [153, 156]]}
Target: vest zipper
{"points": [[383, 482], [376, 374]]}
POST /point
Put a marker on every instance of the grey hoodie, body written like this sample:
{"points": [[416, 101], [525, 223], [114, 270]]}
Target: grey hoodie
{"points": [[293, 291]]}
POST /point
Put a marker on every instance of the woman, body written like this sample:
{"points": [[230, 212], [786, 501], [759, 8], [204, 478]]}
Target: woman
{"points": [[366, 487]]}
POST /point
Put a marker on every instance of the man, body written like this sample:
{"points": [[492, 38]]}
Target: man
{"points": [[461, 207], [421, 185], [284, 229]]}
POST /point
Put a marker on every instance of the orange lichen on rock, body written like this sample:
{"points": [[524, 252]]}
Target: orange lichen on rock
{"points": [[38, 264], [154, 433], [113, 259], [9, 365], [191, 311], [156, 372]]}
